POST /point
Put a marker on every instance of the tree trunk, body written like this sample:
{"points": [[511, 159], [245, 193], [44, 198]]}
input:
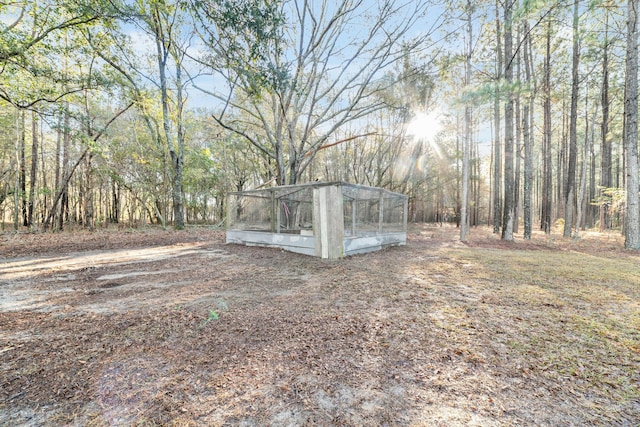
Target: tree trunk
{"points": [[527, 138], [114, 214], [497, 152], [43, 173], [475, 183], [458, 178], [162, 51], [89, 217], [632, 217], [583, 172], [507, 217], [34, 169], [517, 146], [58, 176], [464, 211], [23, 167], [178, 155], [16, 188], [65, 174], [547, 182], [605, 156], [570, 183], [591, 206]]}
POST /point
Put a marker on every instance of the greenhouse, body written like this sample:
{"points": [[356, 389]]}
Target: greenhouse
{"points": [[324, 219]]}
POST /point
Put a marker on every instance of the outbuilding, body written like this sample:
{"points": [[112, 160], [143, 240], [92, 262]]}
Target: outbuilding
{"points": [[325, 219]]}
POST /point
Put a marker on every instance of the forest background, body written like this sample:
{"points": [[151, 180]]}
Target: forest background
{"points": [[519, 114]]}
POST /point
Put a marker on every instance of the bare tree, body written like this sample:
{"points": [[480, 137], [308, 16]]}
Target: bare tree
{"points": [[324, 71]]}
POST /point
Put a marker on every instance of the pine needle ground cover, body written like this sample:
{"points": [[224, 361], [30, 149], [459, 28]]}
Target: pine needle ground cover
{"points": [[177, 328]]}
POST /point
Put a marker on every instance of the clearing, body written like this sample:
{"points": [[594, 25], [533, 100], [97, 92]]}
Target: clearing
{"points": [[158, 327]]}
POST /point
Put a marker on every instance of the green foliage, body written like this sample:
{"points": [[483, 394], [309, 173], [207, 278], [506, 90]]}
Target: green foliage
{"points": [[72, 56], [614, 198], [43, 54], [213, 314], [526, 8], [243, 37]]}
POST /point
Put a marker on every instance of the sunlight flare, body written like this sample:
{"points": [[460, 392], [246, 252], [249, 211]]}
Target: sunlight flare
{"points": [[425, 127]]}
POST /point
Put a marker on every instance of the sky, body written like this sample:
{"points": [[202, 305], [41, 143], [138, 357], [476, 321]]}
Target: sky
{"points": [[426, 121]]}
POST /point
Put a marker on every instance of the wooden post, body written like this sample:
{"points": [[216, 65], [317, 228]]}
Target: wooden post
{"points": [[380, 212], [405, 214], [274, 212], [229, 219], [354, 213], [328, 222]]}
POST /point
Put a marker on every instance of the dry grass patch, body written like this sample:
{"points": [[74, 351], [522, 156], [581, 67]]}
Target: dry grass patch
{"points": [[570, 319]]}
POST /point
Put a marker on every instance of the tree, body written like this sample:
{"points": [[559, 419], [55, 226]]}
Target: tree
{"points": [[632, 217], [582, 211], [527, 122], [30, 196], [570, 180], [164, 26], [605, 145], [30, 49], [69, 173], [316, 79], [163, 22], [508, 208], [547, 172], [464, 211], [497, 151]]}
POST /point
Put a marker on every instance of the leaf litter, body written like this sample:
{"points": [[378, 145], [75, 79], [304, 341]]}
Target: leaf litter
{"points": [[187, 330]]}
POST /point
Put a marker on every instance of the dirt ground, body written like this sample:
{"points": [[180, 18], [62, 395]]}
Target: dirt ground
{"points": [[158, 327]]}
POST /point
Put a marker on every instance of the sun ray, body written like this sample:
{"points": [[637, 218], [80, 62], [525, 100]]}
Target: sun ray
{"points": [[425, 127]]}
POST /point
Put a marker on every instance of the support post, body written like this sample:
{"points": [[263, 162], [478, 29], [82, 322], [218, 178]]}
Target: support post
{"points": [[380, 212], [328, 222], [230, 205], [354, 215], [274, 212], [405, 214]]}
